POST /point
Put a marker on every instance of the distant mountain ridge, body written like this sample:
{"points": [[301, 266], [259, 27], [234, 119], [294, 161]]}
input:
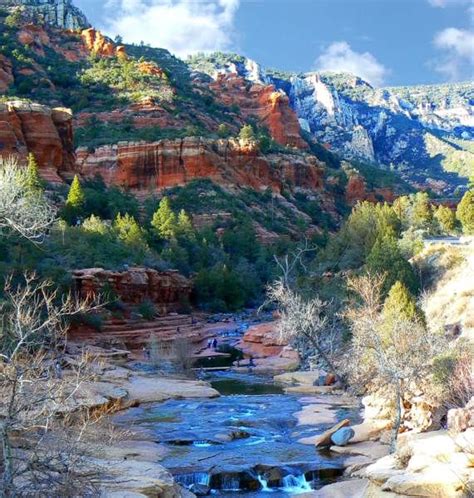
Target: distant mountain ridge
{"points": [[135, 92], [420, 131]]}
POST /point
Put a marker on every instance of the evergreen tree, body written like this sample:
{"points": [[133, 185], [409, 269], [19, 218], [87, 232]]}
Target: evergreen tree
{"points": [[223, 130], [446, 219], [75, 202], [422, 215], [75, 198], [465, 212], [130, 232], [247, 134], [400, 304], [184, 226], [164, 220], [95, 224], [33, 182], [386, 258]]}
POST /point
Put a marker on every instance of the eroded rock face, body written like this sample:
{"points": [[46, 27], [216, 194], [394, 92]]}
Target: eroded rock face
{"points": [[167, 290], [98, 44], [59, 13], [46, 133], [264, 102], [143, 166]]}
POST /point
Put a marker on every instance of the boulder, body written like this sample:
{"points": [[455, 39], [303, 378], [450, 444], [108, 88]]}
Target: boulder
{"points": [[342, 436], [461, 419], [325, 438]]}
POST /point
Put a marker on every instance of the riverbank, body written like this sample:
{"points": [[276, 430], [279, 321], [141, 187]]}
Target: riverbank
{"points": [[429, 464]]}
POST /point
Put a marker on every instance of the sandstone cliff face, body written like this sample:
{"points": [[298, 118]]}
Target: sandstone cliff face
{"points": [[270, 107], [98, 44], [146, 166], [167, 290], [37, 129]]}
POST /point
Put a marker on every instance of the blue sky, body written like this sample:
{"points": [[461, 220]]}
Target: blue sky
{"points": [[388, 42]]}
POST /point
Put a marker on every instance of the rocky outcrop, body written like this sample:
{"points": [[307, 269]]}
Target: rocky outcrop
{"points": [[45, 132], [264, 102], [98, 44], [268, 352], [143, 166], [167, 290], [430, 464], [60, 13]]}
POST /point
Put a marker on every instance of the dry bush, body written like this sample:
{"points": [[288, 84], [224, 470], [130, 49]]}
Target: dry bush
{"points": [[183, 354]]}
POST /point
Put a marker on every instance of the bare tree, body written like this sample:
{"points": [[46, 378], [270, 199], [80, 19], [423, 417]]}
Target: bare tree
{"points": [[36, 390], [305, 318], [22, 211], [395, 355]]}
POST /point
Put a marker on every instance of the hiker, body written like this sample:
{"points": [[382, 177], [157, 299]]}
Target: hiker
{"points": [[209, 344], [214, 343]]}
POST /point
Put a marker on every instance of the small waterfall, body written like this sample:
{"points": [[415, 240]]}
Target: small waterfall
{"points": [[187, 480], [296, 484], [201, 444], [230, 483], [264, 484]]}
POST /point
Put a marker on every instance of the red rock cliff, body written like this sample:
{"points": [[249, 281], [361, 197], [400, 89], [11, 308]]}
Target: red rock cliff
{"points": [[270, 107], [144, 166], [167, 290], [44, 132]]}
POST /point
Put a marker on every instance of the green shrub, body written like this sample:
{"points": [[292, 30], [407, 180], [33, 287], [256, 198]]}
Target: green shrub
{"points": [[147, 309]]}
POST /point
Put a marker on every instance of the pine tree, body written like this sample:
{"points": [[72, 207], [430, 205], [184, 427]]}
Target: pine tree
{"points": [[465, 212], [164, 220], [422, 216], [247, 134], [184, 224], [385, 258], [33, 182], [446, 219], [76, 198], [130, 232], [400, 304]]}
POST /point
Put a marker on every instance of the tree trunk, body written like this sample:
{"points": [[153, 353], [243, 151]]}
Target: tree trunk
{"points": [[398, 417], [329, 363], [7, 457]]}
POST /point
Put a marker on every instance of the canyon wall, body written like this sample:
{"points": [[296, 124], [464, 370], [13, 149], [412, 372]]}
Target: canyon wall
{"points": [[144, 166]]}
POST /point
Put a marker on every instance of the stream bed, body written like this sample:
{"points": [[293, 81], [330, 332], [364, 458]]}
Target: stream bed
{"points": [[245, 442]]}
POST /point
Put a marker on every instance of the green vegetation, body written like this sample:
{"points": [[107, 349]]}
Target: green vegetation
{"points": [[465, 212]]}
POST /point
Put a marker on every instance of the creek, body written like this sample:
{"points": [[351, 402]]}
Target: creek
{"points": [[245, 442]]}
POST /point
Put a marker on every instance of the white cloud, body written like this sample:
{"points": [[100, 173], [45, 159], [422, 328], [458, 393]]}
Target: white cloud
{"points": [[457, 47], [182, 26], [448, 3], [339, 56]]}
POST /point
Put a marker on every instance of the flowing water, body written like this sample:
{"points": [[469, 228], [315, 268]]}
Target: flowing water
{"points": [[244, 442]]}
